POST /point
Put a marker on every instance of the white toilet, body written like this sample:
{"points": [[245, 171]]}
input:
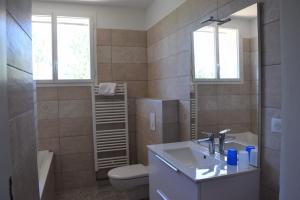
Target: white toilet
{"points": [[134, 179]]}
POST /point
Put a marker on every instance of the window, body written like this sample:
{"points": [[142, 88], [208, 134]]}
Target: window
{"points": [[42, 47], [216, 54], [61, 49]]}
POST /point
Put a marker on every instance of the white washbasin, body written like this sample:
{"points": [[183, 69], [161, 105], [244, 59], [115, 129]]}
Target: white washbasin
{"points": [[193, 158]]}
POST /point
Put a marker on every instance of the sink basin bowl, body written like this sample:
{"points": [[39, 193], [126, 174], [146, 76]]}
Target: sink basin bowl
{"points": [[193, 158]]}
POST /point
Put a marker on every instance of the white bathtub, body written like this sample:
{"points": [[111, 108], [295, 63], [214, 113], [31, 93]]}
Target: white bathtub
{"points": [[46, 175]]}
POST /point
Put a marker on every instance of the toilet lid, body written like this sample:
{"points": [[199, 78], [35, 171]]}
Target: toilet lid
{"points": [[129, 172]]}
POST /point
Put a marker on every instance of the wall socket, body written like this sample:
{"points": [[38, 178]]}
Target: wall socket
{"points": [[276, 125], [152, 121]]}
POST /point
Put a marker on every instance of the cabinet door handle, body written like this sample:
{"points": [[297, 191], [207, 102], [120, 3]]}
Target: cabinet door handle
{"points": [[167, 163], [162, 195]]}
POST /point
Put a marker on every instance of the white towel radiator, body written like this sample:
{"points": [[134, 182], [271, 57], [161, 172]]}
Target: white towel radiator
{"points": [[110, 128], [194, 113]]}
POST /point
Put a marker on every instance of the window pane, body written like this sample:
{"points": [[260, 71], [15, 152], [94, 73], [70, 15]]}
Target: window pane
{"points": [[73, 48], [229, 53], [42, 47], [204, 53]]}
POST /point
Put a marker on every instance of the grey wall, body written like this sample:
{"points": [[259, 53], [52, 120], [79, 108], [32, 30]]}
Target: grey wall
{"points": [[4, 141], [290, 163], [20, 95]]}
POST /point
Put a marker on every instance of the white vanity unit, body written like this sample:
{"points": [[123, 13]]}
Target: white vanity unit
{"points": [[185, 171]]}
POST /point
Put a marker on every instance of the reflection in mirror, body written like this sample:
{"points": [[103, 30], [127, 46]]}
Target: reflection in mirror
{"points": [[226, 79]]}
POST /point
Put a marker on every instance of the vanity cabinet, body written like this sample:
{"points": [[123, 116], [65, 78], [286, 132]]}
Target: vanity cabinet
{"points": [[166, 182]]}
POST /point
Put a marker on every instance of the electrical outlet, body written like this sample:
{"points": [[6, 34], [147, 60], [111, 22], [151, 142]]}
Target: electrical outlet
{"points": [[276, 126], [152, 121]]}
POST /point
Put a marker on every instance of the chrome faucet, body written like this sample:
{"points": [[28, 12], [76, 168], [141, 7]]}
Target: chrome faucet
{"points": [[222, 137], [210, 140]]}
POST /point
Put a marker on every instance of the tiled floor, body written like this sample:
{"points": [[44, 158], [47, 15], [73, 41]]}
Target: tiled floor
{"points": [[103, 191]]}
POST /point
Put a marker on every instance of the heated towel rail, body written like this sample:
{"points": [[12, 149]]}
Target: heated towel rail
{"points": [[194, 113], [110, 128]]}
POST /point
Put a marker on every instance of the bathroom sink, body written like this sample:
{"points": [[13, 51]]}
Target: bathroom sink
{"points": [[193, 158]]}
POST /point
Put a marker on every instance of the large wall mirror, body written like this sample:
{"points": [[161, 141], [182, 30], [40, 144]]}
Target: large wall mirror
{"points": [[226, 78]]}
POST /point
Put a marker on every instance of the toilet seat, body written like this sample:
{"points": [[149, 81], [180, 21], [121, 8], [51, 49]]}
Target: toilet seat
{"points": [[129, 172]]}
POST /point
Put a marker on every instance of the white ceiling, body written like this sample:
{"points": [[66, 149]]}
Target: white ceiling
{"points": [[121, 3]]}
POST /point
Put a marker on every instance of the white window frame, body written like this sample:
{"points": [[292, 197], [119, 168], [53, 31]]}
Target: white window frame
{"points": [[219, 80], [71, 82]]}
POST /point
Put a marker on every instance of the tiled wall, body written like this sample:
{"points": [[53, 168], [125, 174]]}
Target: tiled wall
{"points": [[122, 56], [169, 56], [20, 93], [223, 106], [166, 124], [169, 66], [65, 127], [65, 114]]}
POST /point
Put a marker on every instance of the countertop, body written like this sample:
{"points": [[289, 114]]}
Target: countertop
{"points": [[198, 174]]}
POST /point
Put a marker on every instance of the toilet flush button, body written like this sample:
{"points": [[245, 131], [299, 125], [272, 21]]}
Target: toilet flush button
{"points": [[276, 125], [152, 121]]}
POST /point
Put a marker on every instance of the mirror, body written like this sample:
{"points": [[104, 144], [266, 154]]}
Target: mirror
{"points": [[226, 78]]}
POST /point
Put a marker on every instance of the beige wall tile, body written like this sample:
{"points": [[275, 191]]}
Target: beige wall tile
{"points": [[75, 126], [74, 93], [104, 72], [129, 72], [137, 88], [131, 106], [47, 110], [48, 128], [207, 103], [208, 118], [129, 38], [231, 117], [78, 162], [46, 94], [104, 54], [236, 128], [104, 37], [76, 144], [129, 55], [75, 108], [51, 144], [237, 89], [57, 163], [207, 90], [234, 102]]}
